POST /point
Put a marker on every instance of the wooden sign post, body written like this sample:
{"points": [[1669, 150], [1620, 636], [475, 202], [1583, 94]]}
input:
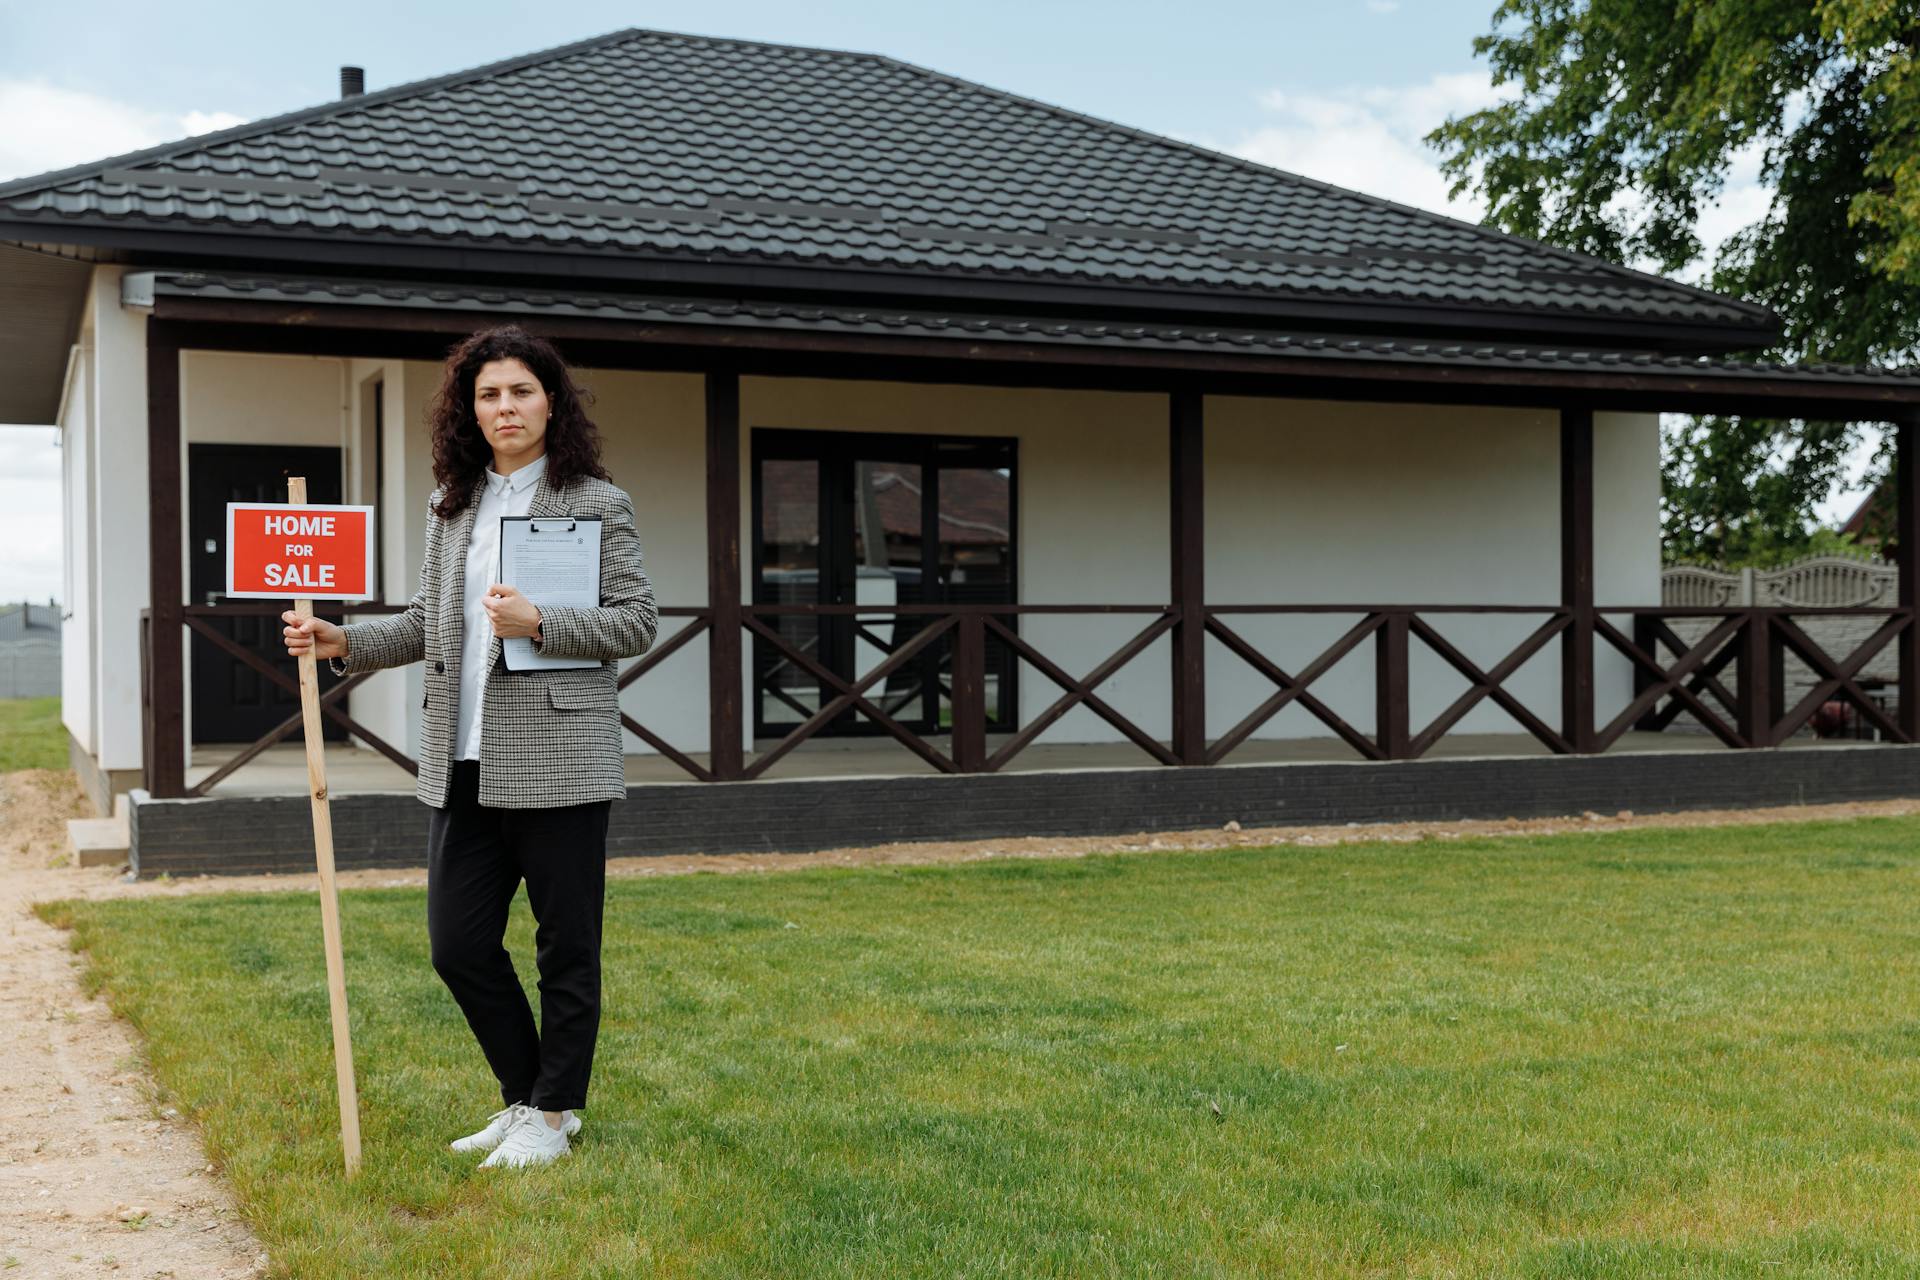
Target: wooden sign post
{"points": [[323, 551]]}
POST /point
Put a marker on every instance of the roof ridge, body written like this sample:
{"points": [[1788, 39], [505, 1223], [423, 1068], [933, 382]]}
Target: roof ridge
{"points": [[1478, 229], [267, 124]]}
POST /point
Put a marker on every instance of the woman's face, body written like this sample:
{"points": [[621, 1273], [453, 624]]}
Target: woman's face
{"points": [[512, 408]]}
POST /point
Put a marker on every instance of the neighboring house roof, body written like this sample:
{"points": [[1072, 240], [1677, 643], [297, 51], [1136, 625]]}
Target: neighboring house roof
{"points": [[660, 158], [29, 622], [1867, 522]]}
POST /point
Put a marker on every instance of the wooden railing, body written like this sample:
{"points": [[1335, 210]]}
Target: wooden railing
{"points": [[1672, 677], [970, 625], [199, 619], [1756, 641]]}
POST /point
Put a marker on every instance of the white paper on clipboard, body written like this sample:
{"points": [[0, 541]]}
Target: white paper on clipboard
{"points": [[551, 560]]}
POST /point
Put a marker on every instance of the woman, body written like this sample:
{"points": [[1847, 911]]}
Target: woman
{"points": [[521, 767]]}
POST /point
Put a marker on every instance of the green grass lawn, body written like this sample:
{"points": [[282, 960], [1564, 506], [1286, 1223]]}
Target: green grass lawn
{"points": [[31, 735], [1647, 1053]]}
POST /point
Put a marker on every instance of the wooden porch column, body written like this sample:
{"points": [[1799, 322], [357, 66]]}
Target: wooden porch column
{"points": [[1906, 535], [723, 574], [1393, 686], [1186, 521], [970, 693], [166, 762], [1576, 577], [1762, 677]]}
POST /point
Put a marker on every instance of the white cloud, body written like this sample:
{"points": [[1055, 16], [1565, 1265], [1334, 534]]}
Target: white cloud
{"points": [[1371, 139], [1741, 203], [1367, 138], [30, 523], [44, 127], [1383, 6]]}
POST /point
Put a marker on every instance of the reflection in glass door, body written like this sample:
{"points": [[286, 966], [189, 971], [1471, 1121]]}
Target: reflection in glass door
{"points": [[869, 518], [787, 546]]}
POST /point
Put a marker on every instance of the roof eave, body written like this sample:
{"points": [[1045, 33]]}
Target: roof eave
{"points": [[248, 325], [42, 299], [266, 252]]}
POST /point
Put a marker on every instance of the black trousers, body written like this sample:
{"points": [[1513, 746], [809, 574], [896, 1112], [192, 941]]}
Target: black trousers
{"points": [[476, 858]]}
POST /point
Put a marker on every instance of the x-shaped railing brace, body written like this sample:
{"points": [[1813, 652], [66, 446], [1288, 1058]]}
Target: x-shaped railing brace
{"points": [[1293, 688], [1490, 684], [288, 683], [853, 695], [1671, 680], [1080, 691], [1838, 677]]}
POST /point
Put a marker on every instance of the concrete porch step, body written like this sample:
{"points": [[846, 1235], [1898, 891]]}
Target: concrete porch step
{"points": [[101, 842]]}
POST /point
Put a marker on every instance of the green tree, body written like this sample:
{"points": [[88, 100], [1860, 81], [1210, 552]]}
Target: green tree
{"points": [[1623, 121]]}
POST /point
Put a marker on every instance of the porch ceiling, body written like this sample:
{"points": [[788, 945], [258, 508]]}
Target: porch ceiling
{"points": [[920, 344], [41, 300]]}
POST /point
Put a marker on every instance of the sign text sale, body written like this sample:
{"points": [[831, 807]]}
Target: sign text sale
{"points": [[311, 552]]}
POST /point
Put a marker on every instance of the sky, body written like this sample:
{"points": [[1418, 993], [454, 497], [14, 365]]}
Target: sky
{"points": [[1339, 90]]}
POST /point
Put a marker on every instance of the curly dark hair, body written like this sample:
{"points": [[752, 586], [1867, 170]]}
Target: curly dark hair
{"points": [[461, 453]]}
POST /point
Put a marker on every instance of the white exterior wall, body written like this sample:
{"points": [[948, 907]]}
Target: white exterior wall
{"points": [[117, 521], [78, 623], [386, 702], [229, 397], [1313, 502], [653, 430], [1626, 517], [1306, 502]]}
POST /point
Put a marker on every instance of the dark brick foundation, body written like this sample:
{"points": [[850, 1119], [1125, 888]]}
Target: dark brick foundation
{"points": [[246, 834]]}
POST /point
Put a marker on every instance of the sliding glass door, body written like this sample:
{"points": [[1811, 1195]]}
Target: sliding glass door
{"points": [[865, 518]]}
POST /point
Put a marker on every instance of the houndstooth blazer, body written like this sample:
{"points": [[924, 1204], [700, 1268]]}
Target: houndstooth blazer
{"points": [[546, 737]]}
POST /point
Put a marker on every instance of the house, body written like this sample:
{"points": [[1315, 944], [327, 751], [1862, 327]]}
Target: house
{"points": [[1872, 520], [29, 651], [998, 468]]}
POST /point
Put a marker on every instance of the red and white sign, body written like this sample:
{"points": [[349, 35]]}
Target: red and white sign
{"points": [[277, 551]]}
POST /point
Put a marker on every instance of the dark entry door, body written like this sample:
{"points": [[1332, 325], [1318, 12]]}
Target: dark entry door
{"points": [[231, 701], [849, 517]]}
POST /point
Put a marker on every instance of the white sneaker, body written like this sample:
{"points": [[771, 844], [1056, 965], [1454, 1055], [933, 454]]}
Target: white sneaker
{"points": [[530, 1140], [497, 1125]]}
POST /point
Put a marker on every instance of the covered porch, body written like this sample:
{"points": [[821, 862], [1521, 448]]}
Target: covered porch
{"points": [[1537, 665]]}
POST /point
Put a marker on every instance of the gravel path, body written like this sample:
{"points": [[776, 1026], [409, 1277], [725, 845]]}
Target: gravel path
{"points": [[98, 1176]]}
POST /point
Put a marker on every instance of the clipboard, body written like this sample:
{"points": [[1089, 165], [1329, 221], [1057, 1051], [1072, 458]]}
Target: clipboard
{"points": [[551, 560]]}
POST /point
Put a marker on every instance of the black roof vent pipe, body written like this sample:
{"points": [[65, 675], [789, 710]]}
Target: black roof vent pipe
{"points": [[353, 81]]}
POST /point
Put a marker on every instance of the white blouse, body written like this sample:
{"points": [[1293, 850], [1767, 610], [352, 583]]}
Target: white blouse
{"points": [[505, 496]]}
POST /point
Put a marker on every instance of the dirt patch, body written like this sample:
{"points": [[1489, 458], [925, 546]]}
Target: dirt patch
{"points": [[34, 807], [104, 884], [98, 1175]]}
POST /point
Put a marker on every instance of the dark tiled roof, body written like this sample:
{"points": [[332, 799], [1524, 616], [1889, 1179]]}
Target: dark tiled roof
{"points": [[973, 327], [652, 145]]}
